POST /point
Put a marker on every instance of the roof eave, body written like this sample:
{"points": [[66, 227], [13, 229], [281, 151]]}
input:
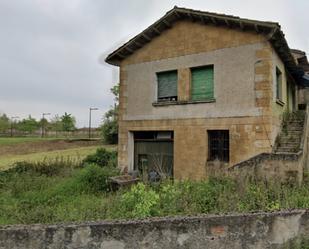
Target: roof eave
{"points": [[271, 30], [176, 13]]}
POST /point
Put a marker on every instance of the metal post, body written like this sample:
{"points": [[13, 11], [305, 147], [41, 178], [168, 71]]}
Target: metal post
{"points": [[89, 130]]}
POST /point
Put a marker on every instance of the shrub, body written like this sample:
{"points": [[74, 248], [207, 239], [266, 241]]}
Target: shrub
{"points": [[103, 157], [139, 202], [95, 179]]}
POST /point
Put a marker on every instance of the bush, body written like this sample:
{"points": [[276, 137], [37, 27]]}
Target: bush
{"points": [[139, 202], [103, 158], [95, 179]]}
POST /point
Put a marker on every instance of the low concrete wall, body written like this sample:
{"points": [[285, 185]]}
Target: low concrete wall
{"points": [[282, 167], [260, 230], [277, 166]]}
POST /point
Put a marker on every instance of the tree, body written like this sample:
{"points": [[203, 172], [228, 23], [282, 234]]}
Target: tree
{"points": [[68, 122], [55, 123], [110, 120], [4, 123], [28, 125]]}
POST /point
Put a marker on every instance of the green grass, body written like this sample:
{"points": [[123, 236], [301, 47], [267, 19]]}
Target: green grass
{"points": [[59, 186], [77, 153], [63, 191], [18, 140]]}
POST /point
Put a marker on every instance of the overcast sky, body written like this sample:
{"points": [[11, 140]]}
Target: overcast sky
{"points": [[50, 50]]}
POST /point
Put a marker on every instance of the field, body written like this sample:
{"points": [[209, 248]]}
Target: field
{"points": [[76, 154], [37, 149], [19, 140]]}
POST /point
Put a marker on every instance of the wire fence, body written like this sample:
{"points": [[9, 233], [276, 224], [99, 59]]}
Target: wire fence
{"points": [[79, 133]]}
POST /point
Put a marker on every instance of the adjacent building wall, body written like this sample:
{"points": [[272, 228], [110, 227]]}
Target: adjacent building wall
{"points": [[259, 231]]}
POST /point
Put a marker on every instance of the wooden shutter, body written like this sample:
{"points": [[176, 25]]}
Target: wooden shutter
{"points": [[202, 83], [167, 84]]}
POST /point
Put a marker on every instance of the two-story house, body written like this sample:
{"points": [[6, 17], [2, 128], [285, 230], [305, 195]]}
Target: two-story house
{"points": [[198, 87]]}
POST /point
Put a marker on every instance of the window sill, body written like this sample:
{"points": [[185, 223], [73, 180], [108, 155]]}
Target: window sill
{"points": [[165, 103], [279, 102]]}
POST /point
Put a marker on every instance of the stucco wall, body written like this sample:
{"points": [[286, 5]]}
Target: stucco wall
{"points": [[233, 85], [258, 231]]}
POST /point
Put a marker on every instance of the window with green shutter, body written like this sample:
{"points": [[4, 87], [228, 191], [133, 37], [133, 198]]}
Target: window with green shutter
{"points": [[167, 86], [202, 79]]}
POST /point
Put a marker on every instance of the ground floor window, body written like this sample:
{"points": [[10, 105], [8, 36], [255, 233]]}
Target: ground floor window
{"points": [[153, 154], [218, 145]]}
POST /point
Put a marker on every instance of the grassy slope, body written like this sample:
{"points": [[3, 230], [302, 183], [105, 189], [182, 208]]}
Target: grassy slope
{"points": [[76, 153]]}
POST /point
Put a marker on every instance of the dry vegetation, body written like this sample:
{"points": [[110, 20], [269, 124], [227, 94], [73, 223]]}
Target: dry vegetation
{"points": [[21, 146]]}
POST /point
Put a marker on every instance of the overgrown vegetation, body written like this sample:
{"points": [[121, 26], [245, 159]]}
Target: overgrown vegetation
{"points": [[102, 157], [54, 191], [59, 191]]}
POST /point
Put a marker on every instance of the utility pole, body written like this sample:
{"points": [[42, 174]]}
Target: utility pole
{"points": [[12, 122], [43, 118], [90, 110]]}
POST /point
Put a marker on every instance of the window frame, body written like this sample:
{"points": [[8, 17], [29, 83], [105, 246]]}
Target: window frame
{"points": [[279, 85], [212, 66], [171, 98]]}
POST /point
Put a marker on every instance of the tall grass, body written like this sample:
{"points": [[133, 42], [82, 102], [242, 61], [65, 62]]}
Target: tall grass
{"points": [[65, 190]]}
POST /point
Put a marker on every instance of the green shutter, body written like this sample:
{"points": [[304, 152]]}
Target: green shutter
{"points": [[167, 84], [202, 83]]}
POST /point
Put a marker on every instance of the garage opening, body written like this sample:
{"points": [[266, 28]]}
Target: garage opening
{"points": [[153, 154]]}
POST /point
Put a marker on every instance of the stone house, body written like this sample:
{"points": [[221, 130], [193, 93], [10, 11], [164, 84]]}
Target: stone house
{"points": [[198, 87]]}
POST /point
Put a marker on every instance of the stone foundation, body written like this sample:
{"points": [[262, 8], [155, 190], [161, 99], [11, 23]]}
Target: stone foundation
{"points": [[247, 138]]}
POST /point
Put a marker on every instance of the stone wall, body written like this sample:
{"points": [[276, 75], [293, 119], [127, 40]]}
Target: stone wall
{"points": [[259, 231], [186, 37], [271, 167], [277, 166], [247, 138]]}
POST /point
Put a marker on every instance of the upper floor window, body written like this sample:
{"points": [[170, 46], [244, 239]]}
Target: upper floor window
{"points": [[167, 86], [202, 79], [278, 84]]}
